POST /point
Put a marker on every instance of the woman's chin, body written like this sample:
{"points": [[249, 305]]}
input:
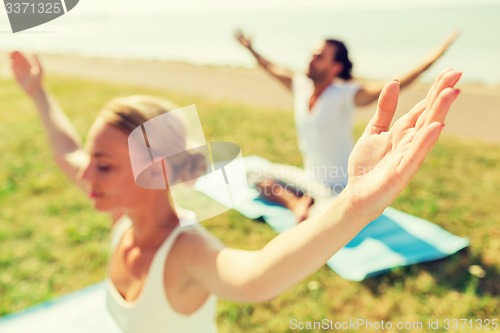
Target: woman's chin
{"points": [[101, 206]]}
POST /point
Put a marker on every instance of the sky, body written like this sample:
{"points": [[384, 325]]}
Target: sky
{"points": [[109, 7], [93, 29], [204, 5]]}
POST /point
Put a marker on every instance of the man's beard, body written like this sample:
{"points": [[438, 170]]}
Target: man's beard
{"points": [[316, 76]]}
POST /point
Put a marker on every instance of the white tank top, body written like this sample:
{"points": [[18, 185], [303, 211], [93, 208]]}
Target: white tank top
{"points": [[151, 312]]}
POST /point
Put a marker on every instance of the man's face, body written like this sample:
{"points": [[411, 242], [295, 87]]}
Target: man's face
{"points": [[322, 65]]}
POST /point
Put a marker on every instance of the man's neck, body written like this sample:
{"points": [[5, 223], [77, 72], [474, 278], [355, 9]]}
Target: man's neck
{"points": [[319, 87]]}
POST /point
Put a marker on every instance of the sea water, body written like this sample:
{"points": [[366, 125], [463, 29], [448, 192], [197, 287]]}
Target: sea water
{"points": [[383, 42]]}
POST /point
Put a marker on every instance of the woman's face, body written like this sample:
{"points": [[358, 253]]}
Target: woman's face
{"points": [[108, 175]]}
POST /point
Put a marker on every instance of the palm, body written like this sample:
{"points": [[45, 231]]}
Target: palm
{"points": [[384, 160], [242, 39], [28, 75]]}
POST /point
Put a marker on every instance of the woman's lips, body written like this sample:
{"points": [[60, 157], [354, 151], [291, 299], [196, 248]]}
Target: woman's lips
{"points": [[94, 195]]}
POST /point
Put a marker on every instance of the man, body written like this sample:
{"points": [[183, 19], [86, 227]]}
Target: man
{"points": [[324, 103]]}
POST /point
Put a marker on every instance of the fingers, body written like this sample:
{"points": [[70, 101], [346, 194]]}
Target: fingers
{"points": [[415, 112], [21, 65], [238, 34], [442, 105], [427, 136], [241, 38], [420, 148], [19, 62], [38, 64], [447, 79], [433, 86], [437, 114], [386, 107], [27, 72]]}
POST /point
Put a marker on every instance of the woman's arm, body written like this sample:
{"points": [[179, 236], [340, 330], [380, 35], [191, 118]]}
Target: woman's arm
{"points": [[369, 93], [282, 75], [381, 165], [64, 140]]}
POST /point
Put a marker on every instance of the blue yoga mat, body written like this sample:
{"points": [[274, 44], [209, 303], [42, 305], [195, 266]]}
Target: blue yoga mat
{"points": [[83, 311], [394, 239]]}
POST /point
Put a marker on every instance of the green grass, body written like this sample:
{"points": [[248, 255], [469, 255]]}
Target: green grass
{"points": [[52, 242]]}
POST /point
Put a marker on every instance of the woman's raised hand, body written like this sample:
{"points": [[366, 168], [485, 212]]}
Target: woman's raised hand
{"points": [[29, 74], [385, 159]]}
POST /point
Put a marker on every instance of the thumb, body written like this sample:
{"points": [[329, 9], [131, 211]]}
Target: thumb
{"points": [[38, 64]]}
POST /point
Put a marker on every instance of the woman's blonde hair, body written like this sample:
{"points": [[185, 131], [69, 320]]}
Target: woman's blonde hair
{"points": [[128, 113]]}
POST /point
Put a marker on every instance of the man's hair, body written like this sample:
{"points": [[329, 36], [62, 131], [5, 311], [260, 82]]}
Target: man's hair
{"points": [[342, 56]]}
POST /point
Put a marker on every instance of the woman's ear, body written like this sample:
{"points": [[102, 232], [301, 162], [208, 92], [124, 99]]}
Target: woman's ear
{"points": [[153, 177], [161, 171], [168, 173]]}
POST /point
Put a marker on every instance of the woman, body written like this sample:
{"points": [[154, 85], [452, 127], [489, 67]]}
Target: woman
{"points": [[165, 278]]}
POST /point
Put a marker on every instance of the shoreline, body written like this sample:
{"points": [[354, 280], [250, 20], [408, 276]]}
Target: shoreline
{"points": [[480, 87], [475, 115]]}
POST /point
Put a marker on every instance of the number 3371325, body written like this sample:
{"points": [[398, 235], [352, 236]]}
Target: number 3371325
{"points": [[33, 8]]}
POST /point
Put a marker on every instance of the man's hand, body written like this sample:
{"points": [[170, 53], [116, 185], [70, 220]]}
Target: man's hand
{"points": [[439, 50], [242, 39]]}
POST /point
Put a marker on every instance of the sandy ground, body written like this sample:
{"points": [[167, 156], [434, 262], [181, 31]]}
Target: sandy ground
{"points": [[476, 115]]}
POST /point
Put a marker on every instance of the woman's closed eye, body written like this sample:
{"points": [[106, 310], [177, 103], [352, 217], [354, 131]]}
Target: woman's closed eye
{"points": [[104, 167]]}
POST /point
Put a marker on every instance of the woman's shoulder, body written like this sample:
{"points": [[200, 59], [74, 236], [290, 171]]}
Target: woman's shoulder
{"points": [[196, 239], [194, 250], [192, 234]]}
